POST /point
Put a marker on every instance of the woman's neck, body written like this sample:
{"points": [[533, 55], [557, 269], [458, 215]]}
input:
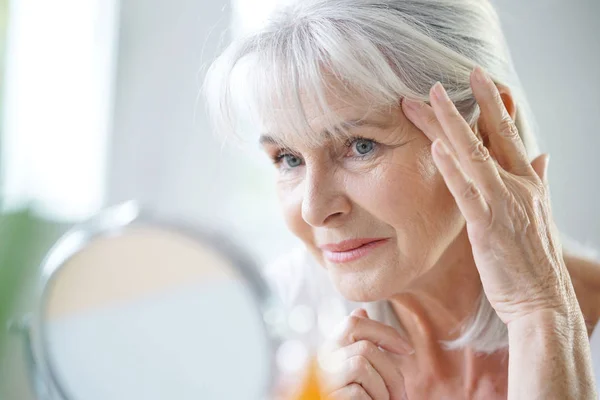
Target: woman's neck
{"points": [[443, 298], [435, 309]]}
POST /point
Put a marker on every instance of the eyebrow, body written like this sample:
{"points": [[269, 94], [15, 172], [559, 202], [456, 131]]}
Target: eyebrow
{"points": [[348, 124]]}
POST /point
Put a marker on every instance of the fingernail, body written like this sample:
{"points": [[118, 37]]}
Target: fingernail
{"points": [[546, 166], [359, 312], [440, 92], [480, 75], [440, 147]]}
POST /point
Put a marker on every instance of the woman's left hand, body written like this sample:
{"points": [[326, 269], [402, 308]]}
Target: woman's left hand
{"points": [[504, 200]]}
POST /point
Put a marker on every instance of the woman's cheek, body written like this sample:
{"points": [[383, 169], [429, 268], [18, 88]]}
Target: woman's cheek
{"points": [[426, 166], [290, 200], [390, 192]]}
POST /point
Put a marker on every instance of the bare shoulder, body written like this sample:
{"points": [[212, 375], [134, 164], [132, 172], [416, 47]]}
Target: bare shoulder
{"points": [[585, 275]]}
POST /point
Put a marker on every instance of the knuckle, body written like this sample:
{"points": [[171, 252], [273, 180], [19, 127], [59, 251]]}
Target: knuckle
{"points": [[365, 348], [479, 152], [355, 391], [508, 129], [358, 366], [471, 191]]}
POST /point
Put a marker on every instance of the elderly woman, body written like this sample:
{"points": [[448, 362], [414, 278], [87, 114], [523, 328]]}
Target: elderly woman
{"points": [[407, 166]]}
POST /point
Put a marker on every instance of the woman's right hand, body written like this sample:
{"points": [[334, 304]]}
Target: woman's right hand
{"points": [[361, 361]]}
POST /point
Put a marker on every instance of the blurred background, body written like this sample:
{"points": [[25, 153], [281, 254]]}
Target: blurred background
{"points": [[99, 103]]}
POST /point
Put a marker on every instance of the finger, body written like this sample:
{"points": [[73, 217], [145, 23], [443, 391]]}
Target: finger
{"points": [[350, 392], [357, 328], [357, 369], [383, 363], [466, 193], [422, 116], [499, 126], [540, 166], [360, 312], [472, 154]]}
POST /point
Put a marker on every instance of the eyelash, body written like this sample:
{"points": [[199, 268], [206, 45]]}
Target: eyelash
{"points": [[278, 158], [281, 155]]}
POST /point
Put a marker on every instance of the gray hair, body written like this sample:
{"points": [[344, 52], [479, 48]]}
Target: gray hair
{"points": [[380, 51]]}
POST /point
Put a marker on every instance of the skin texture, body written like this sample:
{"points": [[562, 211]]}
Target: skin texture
{"points": [[453, 220]]}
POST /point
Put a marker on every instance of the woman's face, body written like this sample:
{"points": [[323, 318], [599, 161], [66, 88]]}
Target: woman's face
{"points": [[380, 189]]}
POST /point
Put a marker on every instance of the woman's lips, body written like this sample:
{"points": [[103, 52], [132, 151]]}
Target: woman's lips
{"points": [[350, 250]]}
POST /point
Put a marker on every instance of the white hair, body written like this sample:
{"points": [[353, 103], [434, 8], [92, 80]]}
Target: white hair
{"points": [[379, 51]]}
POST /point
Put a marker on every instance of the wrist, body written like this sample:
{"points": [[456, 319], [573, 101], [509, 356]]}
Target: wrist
{"points": [[549, 354], [564, 322]]}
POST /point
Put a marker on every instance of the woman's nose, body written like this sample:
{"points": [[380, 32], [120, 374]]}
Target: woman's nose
{"points": [[324, 201]]}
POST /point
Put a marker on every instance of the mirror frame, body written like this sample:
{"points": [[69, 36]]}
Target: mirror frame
{"points": [[114, 221]]}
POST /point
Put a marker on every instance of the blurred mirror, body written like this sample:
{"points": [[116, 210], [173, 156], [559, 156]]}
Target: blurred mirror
{"points": [[150, 311]]}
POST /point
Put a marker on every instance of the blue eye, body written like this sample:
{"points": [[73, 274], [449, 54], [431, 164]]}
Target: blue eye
{"points": [[291, 160], [363, 146]]}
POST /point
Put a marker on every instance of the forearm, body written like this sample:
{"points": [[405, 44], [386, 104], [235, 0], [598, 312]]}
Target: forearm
{"points": [[549, 358]]}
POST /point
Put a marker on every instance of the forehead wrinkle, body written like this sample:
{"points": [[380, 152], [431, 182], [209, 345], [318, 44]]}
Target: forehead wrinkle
{"points": [[325, 134], [288, 142], [316, 121]]}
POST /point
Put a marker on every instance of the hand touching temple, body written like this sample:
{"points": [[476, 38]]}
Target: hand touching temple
{"points": [[413, 178]]}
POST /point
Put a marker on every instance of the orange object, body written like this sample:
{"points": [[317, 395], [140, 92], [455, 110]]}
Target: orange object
{"points": [[311, 389]]}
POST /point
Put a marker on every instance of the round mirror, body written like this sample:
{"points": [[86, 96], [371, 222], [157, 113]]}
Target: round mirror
{"points": [[150, 311]]}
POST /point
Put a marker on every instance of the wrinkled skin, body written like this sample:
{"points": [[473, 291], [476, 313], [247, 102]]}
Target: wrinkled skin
{"points": [[458, 217], [505, 204]]}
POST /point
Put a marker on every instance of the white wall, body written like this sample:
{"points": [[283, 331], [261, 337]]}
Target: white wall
{"points": [[162, 157], [56, 115], [556, 49], [160, 154]]}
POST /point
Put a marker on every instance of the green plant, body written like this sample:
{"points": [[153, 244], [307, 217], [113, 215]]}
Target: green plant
{"points": [[25, 238], [18, 234]]}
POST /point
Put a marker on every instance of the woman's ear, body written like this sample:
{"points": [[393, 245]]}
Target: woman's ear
{"points": [[507, 99], [509, 104]]}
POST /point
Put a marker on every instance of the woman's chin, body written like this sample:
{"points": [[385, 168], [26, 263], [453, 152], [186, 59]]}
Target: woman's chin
{"points": [[359, 287], [362, 297]]}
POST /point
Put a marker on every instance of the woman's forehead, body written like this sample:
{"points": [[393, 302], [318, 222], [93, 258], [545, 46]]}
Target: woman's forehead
{"points": [[335, 121]]}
